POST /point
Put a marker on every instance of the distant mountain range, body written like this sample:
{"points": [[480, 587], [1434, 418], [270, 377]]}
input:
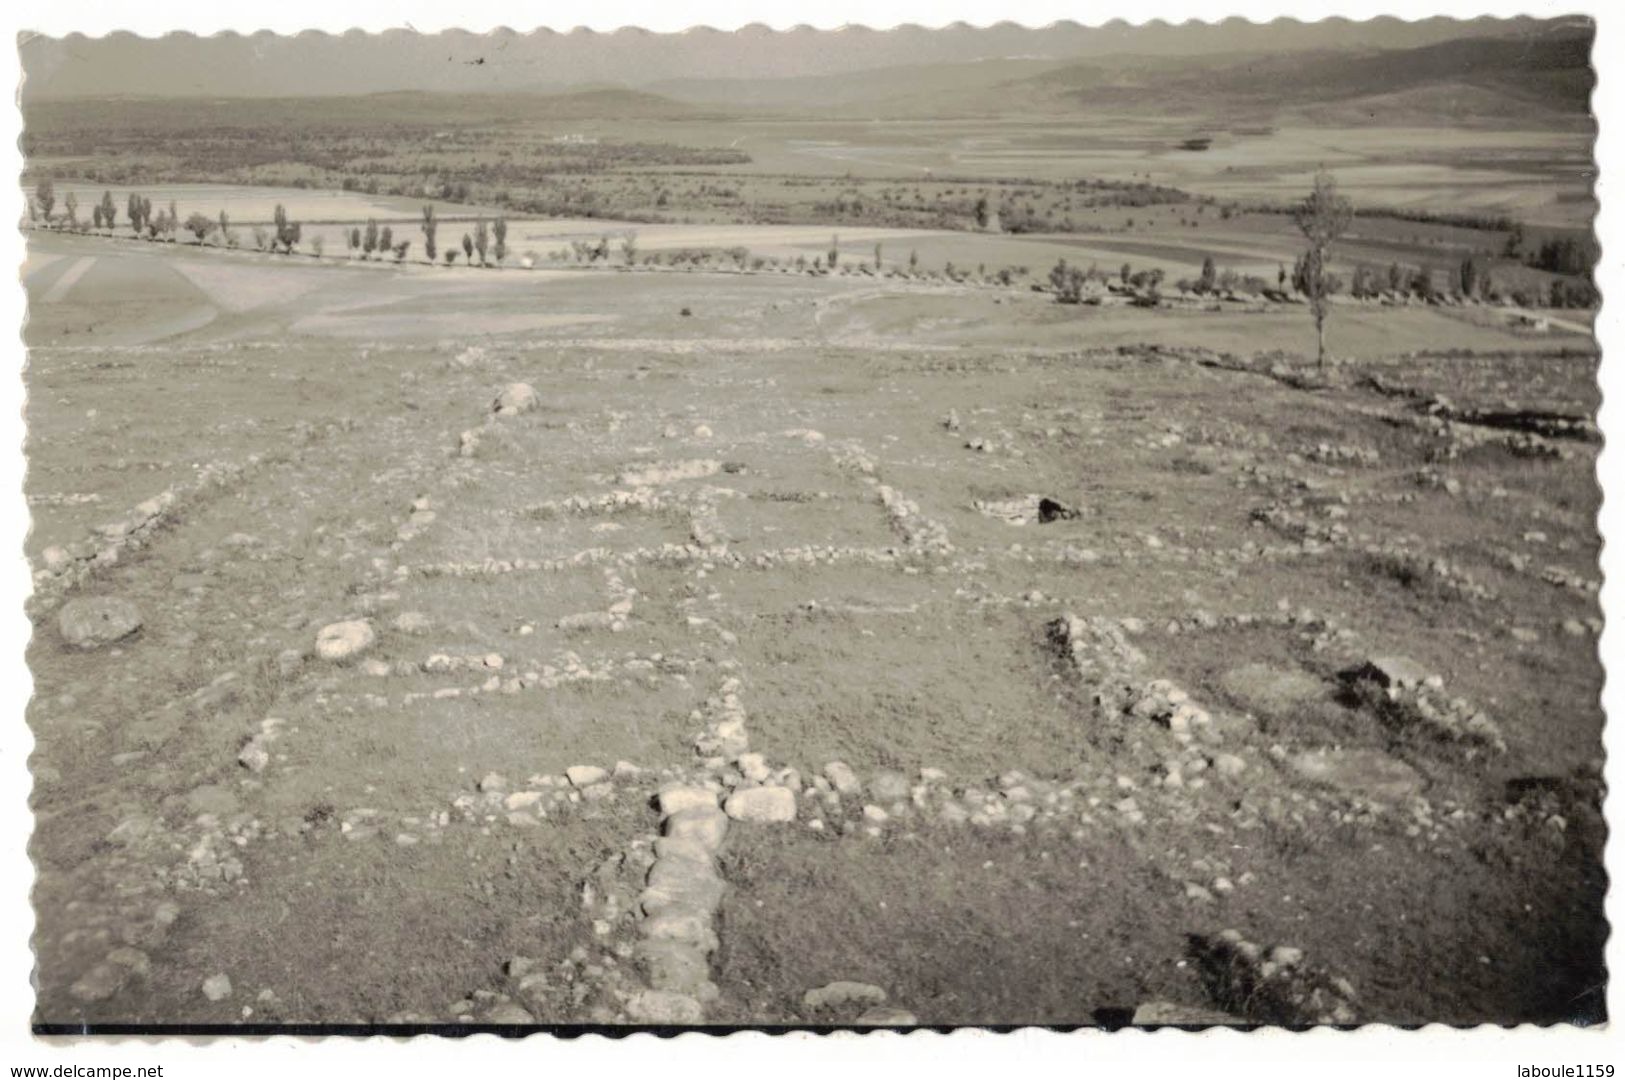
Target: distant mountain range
{"points": [[1528, 78], [1530, 74], [909, 70]]}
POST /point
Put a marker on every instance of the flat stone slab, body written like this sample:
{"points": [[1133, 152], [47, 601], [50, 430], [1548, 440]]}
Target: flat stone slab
{"points": [[677, 967], [91, 622], [705, 827], [1266, 689], [886, 1016], [762, 804], [584, 776], [842, 993], [675, 798], [1154, 1013], [1370, 774]]}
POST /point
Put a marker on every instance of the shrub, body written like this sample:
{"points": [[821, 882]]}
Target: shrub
{"points": [[199, 226]]}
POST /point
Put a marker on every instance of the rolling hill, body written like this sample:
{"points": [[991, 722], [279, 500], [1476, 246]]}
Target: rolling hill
{"points": [[1525, 79]]}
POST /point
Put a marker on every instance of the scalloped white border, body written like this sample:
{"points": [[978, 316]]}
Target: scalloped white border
{"points": [[1487, 1052]]}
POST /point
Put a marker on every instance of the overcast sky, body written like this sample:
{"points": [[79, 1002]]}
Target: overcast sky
{"points": [[265, 65]]}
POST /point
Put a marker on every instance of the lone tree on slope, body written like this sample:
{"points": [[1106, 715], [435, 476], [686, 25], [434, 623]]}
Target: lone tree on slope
{"points": [[1322, 218], [1210, 276]]}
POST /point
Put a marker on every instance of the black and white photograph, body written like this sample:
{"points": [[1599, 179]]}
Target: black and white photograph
{"points": [[1077, 525]]}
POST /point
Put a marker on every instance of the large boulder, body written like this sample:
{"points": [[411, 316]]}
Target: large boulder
{"points": [[93, 621], [1393, 672]]}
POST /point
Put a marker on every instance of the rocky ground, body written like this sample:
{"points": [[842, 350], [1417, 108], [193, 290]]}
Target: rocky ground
{"points": [[612, 680]]}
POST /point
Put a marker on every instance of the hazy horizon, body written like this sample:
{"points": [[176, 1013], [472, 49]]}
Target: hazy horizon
{"points": [[314, 64]]}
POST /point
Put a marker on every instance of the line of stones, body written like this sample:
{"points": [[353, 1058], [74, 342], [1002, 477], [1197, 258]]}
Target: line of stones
{"points": [[212, 856], [674, 555]]}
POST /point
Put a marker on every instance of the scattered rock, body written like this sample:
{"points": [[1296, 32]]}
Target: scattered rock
{"points": [[886, 1016], [763, 804], [587, 620], [110, 976], [1394, 671], [675, 798], [582, 776], [217, 987], [843, 779], [1052, 510], [516, 398], [342, 640], [91, 622], [836, 995], [509, 1013], [706, 827], [411, 622], [664, 1007], [675, 967], [889, 786], [254, 756]]}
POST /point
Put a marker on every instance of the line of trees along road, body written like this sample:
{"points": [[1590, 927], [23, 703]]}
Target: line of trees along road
{"points": [[489, 241], [1323, 217]]}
